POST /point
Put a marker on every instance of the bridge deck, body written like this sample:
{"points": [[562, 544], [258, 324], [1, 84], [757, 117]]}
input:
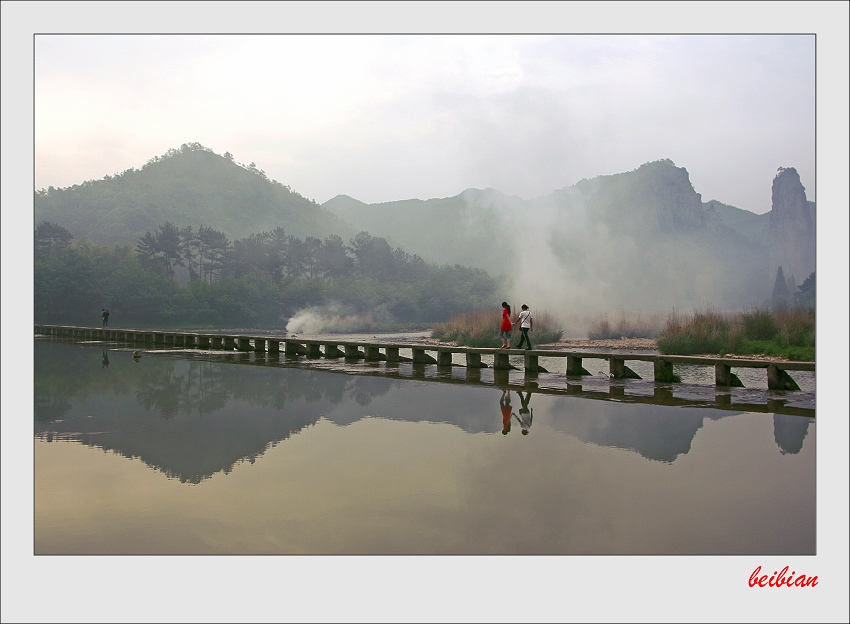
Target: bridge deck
{"points": [[777, 375]]}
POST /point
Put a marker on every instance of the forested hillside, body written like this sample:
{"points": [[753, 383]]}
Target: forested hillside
{"points": [[195, 237], [261, 280], [190, 186], [476, 228]]}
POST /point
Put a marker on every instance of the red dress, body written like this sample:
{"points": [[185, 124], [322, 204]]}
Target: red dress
{"points": [[506, 321], [506, 417]]}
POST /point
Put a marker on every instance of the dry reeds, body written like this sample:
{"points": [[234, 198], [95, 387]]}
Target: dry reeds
{"points": [[706, 331], [796, 326], [480, 328], [639, 326], [786, 333]]}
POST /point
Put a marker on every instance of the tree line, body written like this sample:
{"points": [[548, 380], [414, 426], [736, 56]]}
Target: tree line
{"points": [[199, 277], [208, 255]]}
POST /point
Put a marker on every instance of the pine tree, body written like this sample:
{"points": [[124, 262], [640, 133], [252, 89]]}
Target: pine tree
{"points": [[805, 295], [779, 298]]}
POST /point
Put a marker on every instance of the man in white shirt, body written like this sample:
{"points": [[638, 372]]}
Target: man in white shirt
{"points": [[525, 324]]}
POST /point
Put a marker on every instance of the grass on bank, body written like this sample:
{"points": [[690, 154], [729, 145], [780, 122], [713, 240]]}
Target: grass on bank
{"points": [[481, 329], [788, 334]]}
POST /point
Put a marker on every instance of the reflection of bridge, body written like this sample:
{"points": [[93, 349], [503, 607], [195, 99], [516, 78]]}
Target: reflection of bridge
{"points": [[777, 375], [661, 394], [192, 414]]}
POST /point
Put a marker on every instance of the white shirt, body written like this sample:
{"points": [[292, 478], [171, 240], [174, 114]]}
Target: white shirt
{"points": [[525, 318]]}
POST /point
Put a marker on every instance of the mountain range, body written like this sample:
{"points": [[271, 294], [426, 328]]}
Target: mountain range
{"points": [[190, 186], [640, 240]]}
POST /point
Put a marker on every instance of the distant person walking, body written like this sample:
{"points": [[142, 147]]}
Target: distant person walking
{"points": [[526, 322], [105, 315], [506, 327]]}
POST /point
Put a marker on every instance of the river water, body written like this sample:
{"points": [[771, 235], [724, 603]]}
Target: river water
{"points": [[202, 452]]}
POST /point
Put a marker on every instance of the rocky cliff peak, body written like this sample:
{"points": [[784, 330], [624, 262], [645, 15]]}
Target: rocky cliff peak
{"points": [[789, 196], [658, 196], [792, 226]]}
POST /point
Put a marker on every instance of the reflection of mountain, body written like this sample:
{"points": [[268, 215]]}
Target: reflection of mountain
{"points": [[654, 434], [789, 432], [192, 417], [657, 434], [473, 410], [188, 418]]}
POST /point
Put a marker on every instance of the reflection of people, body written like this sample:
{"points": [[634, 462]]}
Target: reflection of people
{"points": [[525, 324], [505, 405], [105, 315], [506, 327], [105, 359], [525, 413]]}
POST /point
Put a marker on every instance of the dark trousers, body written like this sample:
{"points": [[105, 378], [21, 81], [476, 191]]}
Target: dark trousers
{"points": [[524, 338]]}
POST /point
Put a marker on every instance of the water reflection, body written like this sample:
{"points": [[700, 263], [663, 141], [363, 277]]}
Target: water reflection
{"points": [[194, 417], [356, 461], [526, 414], [789, 432], [505, 407]]}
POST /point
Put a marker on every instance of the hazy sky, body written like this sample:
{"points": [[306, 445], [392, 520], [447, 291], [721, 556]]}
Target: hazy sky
{"points": [[386, 117]]}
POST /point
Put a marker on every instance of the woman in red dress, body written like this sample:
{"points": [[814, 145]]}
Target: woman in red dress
{"points": [[506, 327]]}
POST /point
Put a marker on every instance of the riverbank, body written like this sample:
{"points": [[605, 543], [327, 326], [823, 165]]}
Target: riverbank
{"points": [[648, 345], [626, 344]]}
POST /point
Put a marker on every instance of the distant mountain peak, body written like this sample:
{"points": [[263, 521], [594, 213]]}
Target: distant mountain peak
{"points": [[343, 198], [189, 186]]}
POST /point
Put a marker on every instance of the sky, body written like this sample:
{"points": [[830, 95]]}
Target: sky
{"points": [[387, 117], [460, 100]]}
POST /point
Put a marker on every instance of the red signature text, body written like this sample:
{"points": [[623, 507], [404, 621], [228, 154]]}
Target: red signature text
{"points": [[782, 578]]}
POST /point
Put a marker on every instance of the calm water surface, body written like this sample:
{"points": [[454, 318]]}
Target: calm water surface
{"points": [[189, 452]]}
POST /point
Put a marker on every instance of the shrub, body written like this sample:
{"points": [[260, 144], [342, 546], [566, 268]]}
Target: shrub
{"points": [[788, 333], [601, 329], [706, 331], [796, 327], [759, 325], [547, 329]]}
